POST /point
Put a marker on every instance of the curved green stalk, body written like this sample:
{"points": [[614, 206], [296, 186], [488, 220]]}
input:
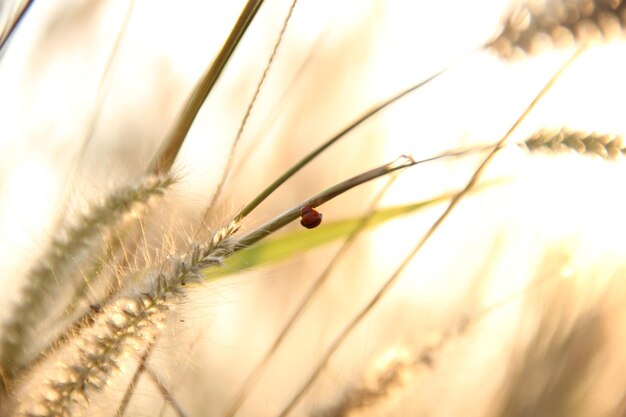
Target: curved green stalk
{"points": [[166, 156], [340, 188], [283, 247], [314, 153]]}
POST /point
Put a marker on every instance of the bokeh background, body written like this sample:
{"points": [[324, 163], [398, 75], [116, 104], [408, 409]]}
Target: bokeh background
{"points": [[89, 89]]}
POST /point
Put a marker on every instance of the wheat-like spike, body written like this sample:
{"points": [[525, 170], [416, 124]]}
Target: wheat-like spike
{"points": [[164, 281], [56, 267], [180, 271], [391, 372], [126, 326], [119, 202], [606, 146], [373, 390], [129, 322], [536, 25], [397, 367]]}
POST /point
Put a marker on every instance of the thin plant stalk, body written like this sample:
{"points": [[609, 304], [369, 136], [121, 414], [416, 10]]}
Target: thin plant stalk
{"points": [[231, 155], [359, 397], [101, 94], [321, 148], [167, 394], [317, 151], [142, 369], [166, 156], [389, 283], [288, 216], [12, 25], [132, 384], [102, 91], [253, 376], [270, 120]]}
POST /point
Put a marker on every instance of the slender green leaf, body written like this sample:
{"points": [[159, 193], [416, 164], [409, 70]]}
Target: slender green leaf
{"points": [[174, 141], [276, 249], [321, 148]]}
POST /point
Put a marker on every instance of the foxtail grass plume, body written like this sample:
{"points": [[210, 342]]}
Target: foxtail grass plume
{"points": [[125, 327], [536, 26], [392, 373], [606, 146], [60, 266], [127, 324]]}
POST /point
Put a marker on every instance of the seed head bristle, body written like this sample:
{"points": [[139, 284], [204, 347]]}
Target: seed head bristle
{"points": [[125, 327], [128, 323], [390, 373], [539, 25], [179, 271], [56, 269]]}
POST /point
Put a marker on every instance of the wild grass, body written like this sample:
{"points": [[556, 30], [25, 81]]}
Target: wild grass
{"points": [[477, 279], [605, 146]]}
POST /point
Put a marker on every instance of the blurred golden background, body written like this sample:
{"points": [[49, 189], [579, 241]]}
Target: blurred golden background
{"points": [[531, 268]]}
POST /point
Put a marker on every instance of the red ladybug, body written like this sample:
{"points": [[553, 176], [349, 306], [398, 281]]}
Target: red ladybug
{"points": [[310, 217]]}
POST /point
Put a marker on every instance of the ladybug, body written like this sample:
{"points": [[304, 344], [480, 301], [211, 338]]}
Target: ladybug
{"points": [[310, 217]]}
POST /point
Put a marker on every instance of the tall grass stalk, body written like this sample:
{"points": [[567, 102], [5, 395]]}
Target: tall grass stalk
{"points": [[102, 319], [393, 278]]}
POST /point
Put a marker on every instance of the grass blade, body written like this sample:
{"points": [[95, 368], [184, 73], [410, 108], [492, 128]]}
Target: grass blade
{"points": [[340, 188], [393, 278], [166, 156], [283, 247], [317, 151], [12, 24], [253, 377], [218, 191]]}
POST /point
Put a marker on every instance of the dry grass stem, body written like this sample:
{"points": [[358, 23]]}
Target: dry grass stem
{"points": [[309, 296], [389, 283], [392, 371], [328, 143], [12, 23], [116, 283], [105, 79], [231, 155], [165, 393], [132, 384], [166, 156]]}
